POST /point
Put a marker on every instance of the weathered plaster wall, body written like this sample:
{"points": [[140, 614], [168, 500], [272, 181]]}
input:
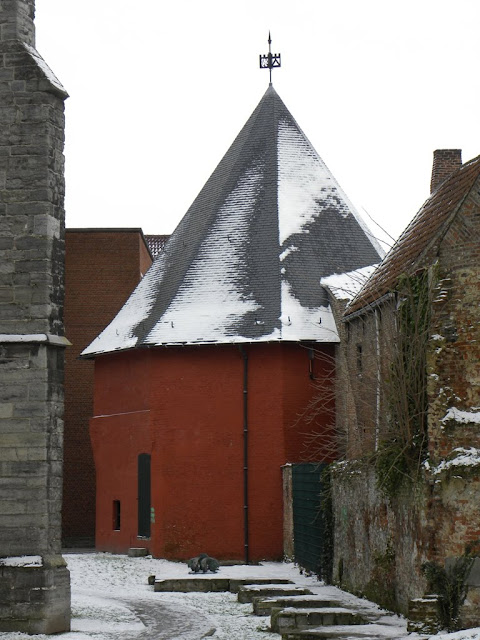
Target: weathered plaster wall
{"points": [[33, 599], [379, 545]]}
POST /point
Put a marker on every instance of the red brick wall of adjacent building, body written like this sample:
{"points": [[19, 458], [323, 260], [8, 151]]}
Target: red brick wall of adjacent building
{"points": [[102, 267], [195, 414]]}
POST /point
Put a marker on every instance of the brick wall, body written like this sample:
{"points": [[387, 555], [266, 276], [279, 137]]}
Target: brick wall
{"points": [[454, 384], [445, 162], [103, 266], [184, 406]]}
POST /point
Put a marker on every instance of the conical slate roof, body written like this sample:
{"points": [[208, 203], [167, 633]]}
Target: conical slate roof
{"points": [[245, 262]]}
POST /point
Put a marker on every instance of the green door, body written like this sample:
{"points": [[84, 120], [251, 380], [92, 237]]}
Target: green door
{"points": [[308, 529], [144, 495]]}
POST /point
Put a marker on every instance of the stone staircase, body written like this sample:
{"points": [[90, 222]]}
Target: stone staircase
{"points": [[295, 612], [300, 616]]}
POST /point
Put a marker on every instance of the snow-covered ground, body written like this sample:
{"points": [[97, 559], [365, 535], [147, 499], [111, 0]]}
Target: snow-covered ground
{"points": [[112, 599]]}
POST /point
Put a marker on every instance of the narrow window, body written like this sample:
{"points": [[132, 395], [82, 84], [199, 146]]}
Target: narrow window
{"points": [[311, 360], [116, 515], [359, 359], [144, 506]]}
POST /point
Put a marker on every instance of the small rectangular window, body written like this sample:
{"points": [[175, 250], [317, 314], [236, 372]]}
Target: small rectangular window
{"points": [[116, 515], [359, 358]]}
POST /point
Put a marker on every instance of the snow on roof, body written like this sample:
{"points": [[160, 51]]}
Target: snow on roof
{"points": [[245, 263], [345, 286], [156, 243]]}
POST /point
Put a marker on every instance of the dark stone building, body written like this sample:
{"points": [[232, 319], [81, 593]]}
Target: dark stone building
{"points": [[34, 584]]}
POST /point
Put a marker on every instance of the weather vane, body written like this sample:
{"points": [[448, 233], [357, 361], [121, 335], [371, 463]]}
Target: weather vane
{"points": [[271, 60]]}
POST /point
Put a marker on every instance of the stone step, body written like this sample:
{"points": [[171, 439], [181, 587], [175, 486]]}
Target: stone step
{"points": [[263, 606], [248, 593], [236, 583], [292, 618], [211, 583], [349, 632], [186, 585]]}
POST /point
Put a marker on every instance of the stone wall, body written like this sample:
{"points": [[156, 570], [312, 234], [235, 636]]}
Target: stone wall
{"points": [[379, 547], [34, 592], [381, 542]]}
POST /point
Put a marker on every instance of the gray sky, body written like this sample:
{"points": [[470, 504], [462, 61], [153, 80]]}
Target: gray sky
{"points": [[158, 91]]}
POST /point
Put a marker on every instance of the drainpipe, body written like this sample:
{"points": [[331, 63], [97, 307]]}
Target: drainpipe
{"points": [[379, 378], [245, 451]]}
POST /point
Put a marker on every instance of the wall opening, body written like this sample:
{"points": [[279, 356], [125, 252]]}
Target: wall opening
{"points": [[144, 502], [116, 515]]}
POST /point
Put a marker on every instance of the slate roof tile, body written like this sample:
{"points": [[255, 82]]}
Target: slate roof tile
{"points": [[245, 262]]}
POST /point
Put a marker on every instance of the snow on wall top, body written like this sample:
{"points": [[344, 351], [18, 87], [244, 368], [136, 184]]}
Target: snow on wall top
{"points": [[245, 262], [345, 286]]}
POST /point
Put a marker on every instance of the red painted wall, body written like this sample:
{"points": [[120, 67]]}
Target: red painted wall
{"points": [[193, 426]]}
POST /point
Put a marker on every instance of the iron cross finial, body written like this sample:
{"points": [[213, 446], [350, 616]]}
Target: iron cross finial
{"points": [[271, 60]]}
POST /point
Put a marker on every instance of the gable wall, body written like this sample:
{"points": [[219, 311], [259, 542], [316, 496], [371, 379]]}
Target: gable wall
{"points": [[454, 381], [380, 544], [455, 354]]}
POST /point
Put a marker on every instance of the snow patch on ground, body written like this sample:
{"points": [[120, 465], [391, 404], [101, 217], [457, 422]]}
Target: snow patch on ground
{"points": [[107, 590], [467, 634]]}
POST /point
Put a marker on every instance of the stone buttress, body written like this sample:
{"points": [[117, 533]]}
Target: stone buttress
{"points": [[34, 580]]}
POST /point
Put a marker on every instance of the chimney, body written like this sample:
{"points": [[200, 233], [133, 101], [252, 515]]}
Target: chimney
{"points": [[445, 162], [16, 21]]}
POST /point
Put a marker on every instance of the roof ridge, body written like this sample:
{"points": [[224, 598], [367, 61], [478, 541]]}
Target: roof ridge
{"points": [[414, 240]]}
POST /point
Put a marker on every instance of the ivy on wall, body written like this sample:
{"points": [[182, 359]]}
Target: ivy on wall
{"points": [[403, 447]]}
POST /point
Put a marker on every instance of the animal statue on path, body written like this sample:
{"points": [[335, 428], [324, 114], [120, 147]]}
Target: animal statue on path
{"points": [[204, 563]]}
